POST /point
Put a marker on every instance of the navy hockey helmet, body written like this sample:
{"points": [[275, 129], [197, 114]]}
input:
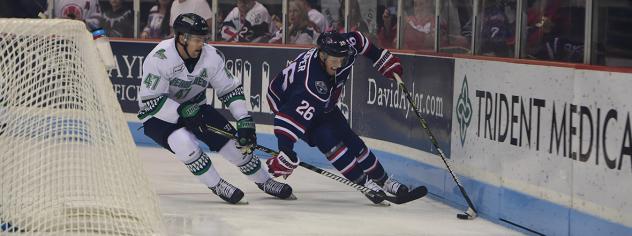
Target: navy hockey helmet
{"points": [[334, 44], [190, 23]]}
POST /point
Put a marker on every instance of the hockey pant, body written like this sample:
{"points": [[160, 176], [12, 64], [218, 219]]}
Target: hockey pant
{"points": [[184, 143]]}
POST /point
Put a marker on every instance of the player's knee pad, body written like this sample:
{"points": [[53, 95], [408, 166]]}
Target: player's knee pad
{"points": [[184, 144], [248, 164]]}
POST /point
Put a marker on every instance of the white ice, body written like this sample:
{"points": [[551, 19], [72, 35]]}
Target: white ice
{"points": [[324, 207]]}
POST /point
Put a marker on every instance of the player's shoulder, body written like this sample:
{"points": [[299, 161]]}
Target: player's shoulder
{"points": [[164, 51], [163, 54], [212, 54], [314, 76], [357, 40]]}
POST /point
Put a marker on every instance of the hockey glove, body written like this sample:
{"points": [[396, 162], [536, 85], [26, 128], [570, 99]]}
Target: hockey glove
{"points": [[191, 115], [388, 64], [246, 135], [282, 164]]}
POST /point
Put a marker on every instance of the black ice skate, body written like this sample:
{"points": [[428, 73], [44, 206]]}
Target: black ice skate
{"points": [[228, 192], [277, 189], [393, 187], [376, 199], [401, 192]]}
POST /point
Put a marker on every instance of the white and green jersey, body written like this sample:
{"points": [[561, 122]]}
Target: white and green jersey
{"points": [[167, 83]]}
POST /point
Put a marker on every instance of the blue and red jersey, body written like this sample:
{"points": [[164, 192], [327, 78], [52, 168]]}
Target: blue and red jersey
{"points": [[303, 90]]}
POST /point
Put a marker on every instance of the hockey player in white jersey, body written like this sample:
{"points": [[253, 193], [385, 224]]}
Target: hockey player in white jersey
{"points": [[248, 22], [174, 112]]}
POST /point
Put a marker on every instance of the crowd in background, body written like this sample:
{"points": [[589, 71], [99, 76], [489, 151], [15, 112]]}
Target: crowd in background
{"points": [[551, 30]]}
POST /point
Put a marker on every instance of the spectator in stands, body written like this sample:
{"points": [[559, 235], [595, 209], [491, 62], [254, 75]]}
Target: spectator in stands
{"points": [[199, 7], [222, 12], [118, 20], [315, 15], [87, 11], [455, 14], [157, 21], [419, 29], [300, 30], [497, 30], [356, 22], [562, 40], [249, 21], [22, 8], [538, 12], [387, 28]]}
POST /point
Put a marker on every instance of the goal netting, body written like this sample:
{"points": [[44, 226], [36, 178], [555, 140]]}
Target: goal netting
{"points": [[68, 164]]}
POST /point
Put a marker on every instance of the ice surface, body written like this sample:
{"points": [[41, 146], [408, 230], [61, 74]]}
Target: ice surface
{"points": [[324, 207]]}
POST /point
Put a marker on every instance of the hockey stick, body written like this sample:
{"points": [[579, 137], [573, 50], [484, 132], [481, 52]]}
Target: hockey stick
{"points": [[420, 192], [471, 212]]}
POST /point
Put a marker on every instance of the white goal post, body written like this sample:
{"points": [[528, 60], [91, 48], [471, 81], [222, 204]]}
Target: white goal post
{"points": [[68, 164]]}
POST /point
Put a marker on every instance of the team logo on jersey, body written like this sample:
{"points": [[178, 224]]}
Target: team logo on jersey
{"points": [[160, 54], [321, 87], [203, 74], [72, 11]]}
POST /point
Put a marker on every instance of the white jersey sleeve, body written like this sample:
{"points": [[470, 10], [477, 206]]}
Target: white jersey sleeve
{"points": [[229, 90]]}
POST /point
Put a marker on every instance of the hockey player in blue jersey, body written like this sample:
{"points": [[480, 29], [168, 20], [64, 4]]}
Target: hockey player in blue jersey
{"points": [[303, 98], [174, 112]]}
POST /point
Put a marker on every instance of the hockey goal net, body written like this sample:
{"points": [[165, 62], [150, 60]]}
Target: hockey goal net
{"points": [[68, 164]]}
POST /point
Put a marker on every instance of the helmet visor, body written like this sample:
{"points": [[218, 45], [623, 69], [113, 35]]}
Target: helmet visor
{"points": [[193, 38]]}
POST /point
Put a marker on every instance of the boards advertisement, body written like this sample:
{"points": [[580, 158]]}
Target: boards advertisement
{"points": [[556, 141]]}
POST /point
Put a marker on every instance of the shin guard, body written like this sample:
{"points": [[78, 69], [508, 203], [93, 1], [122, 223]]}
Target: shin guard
{"points": [[249, 164], [345, 162], [183, 143], [371, 166]]}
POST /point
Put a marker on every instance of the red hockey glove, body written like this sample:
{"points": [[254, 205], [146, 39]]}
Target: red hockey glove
{"points": [[282, 164], [388, 64]]}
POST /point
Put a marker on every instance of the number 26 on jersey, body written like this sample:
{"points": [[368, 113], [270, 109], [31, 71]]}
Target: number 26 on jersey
{"points": [[305, 110]]}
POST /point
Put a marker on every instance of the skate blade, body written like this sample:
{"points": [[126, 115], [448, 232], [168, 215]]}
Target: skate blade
{"points": [[291, 197], [382, 204], [243, 201]]}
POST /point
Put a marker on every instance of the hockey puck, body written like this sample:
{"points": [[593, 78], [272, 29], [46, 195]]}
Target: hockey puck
{"points": [[467, 215], [463, 216]]}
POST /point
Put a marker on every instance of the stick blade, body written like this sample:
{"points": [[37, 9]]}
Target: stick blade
{"points": [[414, 194], [470, 214]]}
